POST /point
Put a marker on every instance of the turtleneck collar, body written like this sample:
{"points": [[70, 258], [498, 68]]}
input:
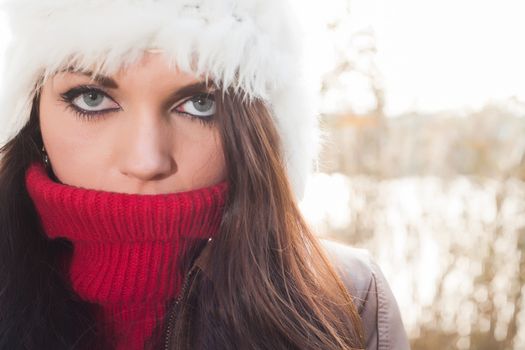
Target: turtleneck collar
{"points": [[128, 248]]}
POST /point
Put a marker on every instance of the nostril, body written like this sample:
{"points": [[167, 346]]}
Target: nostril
{"points": [[152, 169]]}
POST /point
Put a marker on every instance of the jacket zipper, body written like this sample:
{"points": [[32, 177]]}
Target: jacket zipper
{"points": [[172, 314]]}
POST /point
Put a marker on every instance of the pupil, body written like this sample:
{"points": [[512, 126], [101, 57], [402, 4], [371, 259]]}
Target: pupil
{"points": [[92, 99], [202, 104]]}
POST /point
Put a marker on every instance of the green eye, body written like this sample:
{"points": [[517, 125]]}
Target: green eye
{"points": [[87, 101], [202, 106], [92, 99]]}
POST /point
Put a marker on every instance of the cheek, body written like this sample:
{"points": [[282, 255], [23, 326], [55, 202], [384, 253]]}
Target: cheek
{"points": [[202, 159], [68, 143]]}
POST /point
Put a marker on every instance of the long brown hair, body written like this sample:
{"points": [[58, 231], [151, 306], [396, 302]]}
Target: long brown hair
{"points": [[270, 284], [38, 308]]}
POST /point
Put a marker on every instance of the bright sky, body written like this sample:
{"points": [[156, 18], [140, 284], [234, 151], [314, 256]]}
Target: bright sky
{"points": [[432, 54], [450, 53]]}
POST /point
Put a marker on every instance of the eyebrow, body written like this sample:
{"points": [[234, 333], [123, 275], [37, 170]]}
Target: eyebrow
{"points": [[184, 91], [100, 79]]}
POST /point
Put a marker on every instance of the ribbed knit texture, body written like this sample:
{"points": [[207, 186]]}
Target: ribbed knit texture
{"points": [[128, 248]]}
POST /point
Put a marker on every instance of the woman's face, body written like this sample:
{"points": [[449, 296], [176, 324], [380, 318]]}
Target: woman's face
{"points": [[154, 132]]}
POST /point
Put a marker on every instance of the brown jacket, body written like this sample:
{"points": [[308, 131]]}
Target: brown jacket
{"points": [[374, 300], [373, 297]]}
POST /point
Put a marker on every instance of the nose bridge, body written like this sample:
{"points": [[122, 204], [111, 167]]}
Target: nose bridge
{"points": [[146, 151]]}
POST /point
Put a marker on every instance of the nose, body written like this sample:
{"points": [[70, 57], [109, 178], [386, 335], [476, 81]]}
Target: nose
{"points": [[146, 148]]}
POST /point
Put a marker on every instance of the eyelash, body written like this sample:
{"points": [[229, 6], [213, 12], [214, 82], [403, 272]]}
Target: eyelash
{"points": [[69, 96]]}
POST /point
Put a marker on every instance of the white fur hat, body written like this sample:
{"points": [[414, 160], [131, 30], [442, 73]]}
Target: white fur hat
{"points": [[253, 46]]}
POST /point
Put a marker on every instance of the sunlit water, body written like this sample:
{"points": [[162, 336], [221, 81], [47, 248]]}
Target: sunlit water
{"points": [[449, 248]]}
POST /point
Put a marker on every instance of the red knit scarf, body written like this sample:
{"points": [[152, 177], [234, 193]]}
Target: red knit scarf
{"points": [[127, 247]]}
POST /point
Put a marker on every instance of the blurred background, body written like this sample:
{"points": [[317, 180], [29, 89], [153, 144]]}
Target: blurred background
{"points": [[423, 103]]}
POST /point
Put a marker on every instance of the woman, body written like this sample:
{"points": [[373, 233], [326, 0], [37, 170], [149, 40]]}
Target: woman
{"points": [[153, 155]]}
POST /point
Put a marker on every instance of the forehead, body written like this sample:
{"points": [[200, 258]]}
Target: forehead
{"points": [[152, 67]]}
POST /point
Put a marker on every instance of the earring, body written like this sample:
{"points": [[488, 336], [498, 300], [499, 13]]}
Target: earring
{"points": [[45, 158]]}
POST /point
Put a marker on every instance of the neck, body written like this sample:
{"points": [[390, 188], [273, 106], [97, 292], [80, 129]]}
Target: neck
{"points": [[130, 251]]}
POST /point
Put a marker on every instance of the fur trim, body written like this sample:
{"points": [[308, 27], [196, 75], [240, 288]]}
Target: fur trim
{"points": [[250, 45]]}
